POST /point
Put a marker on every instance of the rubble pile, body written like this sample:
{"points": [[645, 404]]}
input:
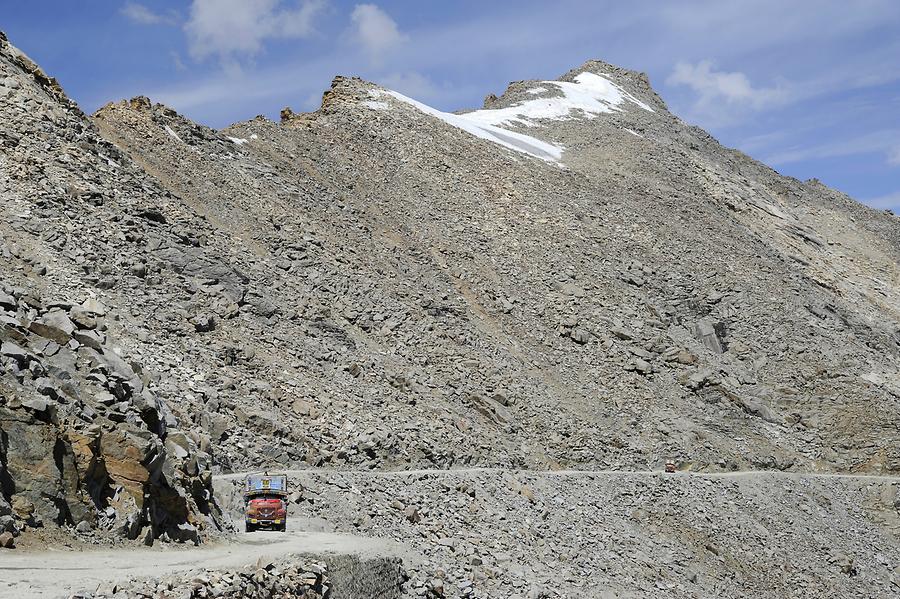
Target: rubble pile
{"points": [[288, 578], [485, 533]]}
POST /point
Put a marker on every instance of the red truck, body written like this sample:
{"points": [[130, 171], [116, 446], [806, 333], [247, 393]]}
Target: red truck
{"points": [[265, 498]]}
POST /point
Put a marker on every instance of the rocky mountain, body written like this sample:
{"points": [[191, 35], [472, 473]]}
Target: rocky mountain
{"points": [[421, 295], [568, 278]]}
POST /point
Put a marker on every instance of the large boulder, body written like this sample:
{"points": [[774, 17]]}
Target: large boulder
{"points": [[40, 465], [54, 325]]}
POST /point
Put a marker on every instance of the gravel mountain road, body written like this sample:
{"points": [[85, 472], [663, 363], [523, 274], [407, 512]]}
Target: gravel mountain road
{"points": [[568, 472], [59, 573]]}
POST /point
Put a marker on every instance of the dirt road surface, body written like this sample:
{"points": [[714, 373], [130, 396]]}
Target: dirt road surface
{"points": [[57, 573]]}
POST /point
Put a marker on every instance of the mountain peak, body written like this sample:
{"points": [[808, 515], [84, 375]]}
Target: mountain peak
{"points": [[533, 105], [636, 82]]}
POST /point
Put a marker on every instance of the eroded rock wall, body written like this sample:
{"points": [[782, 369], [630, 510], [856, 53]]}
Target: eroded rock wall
{"points": [[85, 443]]}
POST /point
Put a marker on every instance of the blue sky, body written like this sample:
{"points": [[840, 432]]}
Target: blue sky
{"points": [[811, 87]]}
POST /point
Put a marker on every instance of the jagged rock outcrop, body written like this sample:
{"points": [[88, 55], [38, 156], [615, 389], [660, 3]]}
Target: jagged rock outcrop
{"points": [[85, 443]]}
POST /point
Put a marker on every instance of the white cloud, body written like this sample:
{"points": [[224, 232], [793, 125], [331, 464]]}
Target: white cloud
{"points": [[893, 157], [140, 14], [818, 52], [715, 86], [375, 30], [232, 29]]}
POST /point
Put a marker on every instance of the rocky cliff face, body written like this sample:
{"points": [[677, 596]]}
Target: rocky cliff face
{"points": [[570, 277], [84, 439]]}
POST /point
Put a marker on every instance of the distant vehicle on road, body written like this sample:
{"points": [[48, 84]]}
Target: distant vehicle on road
{"points": [[265, 500]]}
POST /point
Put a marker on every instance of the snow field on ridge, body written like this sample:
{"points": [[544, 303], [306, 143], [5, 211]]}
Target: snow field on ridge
{"points": [[590, 95]]}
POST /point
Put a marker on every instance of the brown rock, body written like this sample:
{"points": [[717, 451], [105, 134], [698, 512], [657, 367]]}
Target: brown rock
{"points": [[527, 494], [304, 407], [219, 426], [123, 455], [54, 325], [82, 318], [22, 507], [412, 514], [685, 357], [90, 339]]}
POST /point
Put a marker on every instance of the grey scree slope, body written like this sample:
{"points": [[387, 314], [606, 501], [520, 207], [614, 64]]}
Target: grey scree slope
{"points": [[367, 287]]}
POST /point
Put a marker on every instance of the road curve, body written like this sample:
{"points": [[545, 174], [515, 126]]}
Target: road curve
{"points": [[59, 573]]}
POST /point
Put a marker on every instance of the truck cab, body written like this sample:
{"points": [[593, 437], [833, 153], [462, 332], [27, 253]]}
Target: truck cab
{"points": [[265, 500]]}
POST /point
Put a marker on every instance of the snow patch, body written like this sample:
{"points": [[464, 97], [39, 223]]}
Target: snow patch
{"points": [[238, 140], [635, 133], [254, 136], [509, 139], [172, 133], [588, 96]]}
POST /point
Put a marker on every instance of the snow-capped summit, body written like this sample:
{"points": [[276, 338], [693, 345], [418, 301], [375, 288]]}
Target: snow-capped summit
{"points": [[588, 96]]}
